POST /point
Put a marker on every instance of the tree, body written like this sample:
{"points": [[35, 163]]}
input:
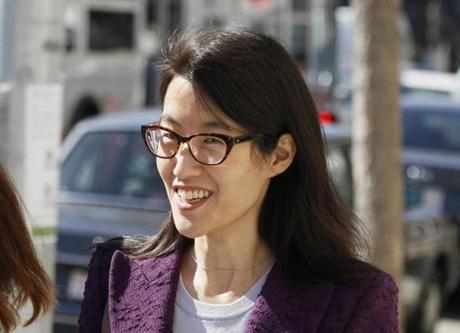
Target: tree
{"points": [[376, 130]]}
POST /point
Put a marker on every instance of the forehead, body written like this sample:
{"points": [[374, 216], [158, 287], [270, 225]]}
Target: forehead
{"points": [[183, 107]]}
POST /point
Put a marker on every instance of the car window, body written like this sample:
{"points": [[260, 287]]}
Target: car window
{"points": [[432, 130], [114, 163], [109, 31]]}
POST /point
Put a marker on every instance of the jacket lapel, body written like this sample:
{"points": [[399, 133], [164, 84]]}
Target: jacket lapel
{"points": [[146, 289], [283, 308]]}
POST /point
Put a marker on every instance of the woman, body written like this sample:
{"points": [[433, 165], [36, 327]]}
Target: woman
{"points": [[22, 278], [258, 239]]}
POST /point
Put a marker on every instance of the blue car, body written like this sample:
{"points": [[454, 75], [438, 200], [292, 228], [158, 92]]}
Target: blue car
{"points": [[109, 187]]}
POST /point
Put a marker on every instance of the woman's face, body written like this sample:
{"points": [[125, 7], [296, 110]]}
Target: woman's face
{"points": [[232, 192]]}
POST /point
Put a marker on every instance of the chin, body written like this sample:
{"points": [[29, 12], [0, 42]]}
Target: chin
{"points": [[187, 228]]}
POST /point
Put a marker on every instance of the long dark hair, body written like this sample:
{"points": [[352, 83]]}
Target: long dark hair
{"points": [[22, 278], [254, 81]]}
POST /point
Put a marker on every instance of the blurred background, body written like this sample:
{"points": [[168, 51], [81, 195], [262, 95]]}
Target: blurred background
{"points": [[78, 78]]}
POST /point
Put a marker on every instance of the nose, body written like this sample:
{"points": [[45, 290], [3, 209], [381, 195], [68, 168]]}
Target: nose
{"points": [[186, 165]]}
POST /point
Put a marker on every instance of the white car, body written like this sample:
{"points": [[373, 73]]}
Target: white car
{"points": [[419, 81]]}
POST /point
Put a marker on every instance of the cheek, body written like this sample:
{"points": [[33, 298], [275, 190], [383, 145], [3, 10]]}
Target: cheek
{"points": [[164, 168], [241, 181]]}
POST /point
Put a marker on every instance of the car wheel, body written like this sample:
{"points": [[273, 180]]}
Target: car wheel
{"points": [[430, 306]]}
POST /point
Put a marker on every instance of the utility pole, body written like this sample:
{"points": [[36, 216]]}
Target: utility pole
{"points": [[376, 130]]}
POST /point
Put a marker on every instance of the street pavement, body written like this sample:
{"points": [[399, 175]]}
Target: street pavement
{"points": [[450, 322]]}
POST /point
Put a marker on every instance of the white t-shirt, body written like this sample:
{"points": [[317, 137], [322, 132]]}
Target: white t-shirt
{"points": [[191, 315]]}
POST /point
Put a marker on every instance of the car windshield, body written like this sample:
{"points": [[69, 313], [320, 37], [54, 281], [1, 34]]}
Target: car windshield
{"points": [[435, 130], [115, 163]]}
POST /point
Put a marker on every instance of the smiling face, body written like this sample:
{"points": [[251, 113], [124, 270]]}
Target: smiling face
{"points": [[217, 200]]}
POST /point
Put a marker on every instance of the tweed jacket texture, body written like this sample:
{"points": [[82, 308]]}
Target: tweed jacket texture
{"points": [[141, 298]]}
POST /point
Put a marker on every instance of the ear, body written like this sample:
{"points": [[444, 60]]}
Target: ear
{"points": [[283, 154]]}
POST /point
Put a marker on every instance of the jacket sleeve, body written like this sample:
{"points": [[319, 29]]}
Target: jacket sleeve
{"points": [[377, 309], [96, 291]]}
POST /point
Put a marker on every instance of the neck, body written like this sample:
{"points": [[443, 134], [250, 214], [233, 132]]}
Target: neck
{"points": [[224, 272], [235, 255]]}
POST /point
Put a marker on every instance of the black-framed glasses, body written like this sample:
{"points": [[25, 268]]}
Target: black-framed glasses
{"points": [[205, 148]]}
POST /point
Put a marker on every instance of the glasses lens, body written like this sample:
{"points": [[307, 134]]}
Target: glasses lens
{"points": [[161, 142], [208, 149]]}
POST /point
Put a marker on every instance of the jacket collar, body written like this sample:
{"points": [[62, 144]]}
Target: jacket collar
{"points": [[280, 307], [135, 283], [164, 272]]}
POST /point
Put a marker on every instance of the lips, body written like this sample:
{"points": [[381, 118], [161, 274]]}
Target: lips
{"points": [[191, 197]]}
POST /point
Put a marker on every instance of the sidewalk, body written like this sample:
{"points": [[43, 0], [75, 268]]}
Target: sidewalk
{"points": [[450, 322], [448, 326]]}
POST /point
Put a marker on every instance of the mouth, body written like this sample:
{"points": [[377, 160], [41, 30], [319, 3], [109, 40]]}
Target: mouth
{"points": [[192, 198]]}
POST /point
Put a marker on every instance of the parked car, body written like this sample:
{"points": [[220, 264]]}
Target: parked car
{"points": [[431, 258], [431, 145], [431, 132], [428, 82], [110, 187]]}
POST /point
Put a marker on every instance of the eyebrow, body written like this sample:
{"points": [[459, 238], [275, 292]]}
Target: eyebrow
{"points": [[212, 124]]}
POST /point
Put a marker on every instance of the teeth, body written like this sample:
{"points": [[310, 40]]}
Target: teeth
{"points": [[192, 195]]}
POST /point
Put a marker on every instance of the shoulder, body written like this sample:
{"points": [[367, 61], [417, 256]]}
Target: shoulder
{"points": [[379, 297], [368, 303], [376, 309], [115, 275], [368, 282], [126, 273], [101, 258], [98, 271], [113, 258], [96, 290]]}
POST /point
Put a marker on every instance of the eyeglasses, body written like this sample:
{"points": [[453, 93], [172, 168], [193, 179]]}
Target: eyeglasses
{"points": [[205, 148]]}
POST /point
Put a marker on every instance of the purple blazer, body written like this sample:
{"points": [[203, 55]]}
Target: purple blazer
{"points": [[141, 296]]}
